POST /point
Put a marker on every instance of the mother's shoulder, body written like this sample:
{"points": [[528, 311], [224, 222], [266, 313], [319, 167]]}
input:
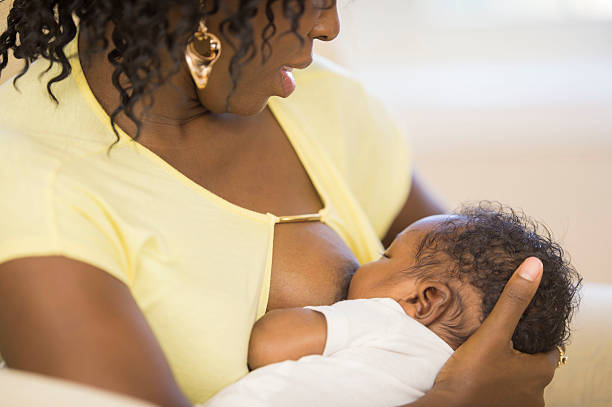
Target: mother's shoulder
{"points": [[326, 94], [333, 100], [326, 75], [325, 67]]}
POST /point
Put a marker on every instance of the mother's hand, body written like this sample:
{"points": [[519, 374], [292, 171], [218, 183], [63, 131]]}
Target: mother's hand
{"points": [[486, 370]]}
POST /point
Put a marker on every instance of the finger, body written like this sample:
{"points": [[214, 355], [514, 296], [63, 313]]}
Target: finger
{"points": [[512, 302]]}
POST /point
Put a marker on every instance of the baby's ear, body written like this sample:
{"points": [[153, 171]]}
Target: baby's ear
{"points": [[429, 302]]}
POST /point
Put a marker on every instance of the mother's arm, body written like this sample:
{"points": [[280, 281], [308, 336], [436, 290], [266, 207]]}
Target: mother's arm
{"points": [[67, 319], [486, 371]]}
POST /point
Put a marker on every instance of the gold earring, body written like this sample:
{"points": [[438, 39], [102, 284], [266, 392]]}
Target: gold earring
{"points": [[203, 51]]}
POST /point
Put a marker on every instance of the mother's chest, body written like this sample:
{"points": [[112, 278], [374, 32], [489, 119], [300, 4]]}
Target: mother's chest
{"points": [[204, 269], [259, 172], [243, 259]]}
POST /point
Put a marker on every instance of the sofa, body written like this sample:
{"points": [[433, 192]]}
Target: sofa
{"points": [[586, 381]]}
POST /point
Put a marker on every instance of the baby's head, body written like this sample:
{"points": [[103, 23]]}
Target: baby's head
{"points": [[447, 272]]}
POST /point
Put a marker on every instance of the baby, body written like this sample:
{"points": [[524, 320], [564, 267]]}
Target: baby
{"points": [[406, 313]]}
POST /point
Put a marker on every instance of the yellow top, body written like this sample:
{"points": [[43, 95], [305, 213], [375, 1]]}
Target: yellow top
{"points": [[197, 265]]}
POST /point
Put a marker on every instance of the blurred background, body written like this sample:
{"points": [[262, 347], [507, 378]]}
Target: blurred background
{"points": [[503, 100]]}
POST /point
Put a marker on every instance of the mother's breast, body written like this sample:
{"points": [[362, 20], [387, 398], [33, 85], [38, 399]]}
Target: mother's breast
{"points": [[311, 265]]}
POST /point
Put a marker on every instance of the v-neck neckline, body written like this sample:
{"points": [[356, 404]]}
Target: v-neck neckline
{"points": [[295, 137]]}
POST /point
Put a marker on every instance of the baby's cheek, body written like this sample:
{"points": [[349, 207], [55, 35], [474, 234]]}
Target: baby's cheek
{"points": [[355, 285]]}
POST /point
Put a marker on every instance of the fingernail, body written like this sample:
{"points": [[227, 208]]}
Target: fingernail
{"points": [[531, 269]]}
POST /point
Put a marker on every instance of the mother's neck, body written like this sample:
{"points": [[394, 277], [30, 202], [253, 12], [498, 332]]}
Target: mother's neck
{"points": [[175, 103]]}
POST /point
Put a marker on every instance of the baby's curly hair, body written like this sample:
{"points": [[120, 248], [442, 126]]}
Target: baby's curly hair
{"points": [[485, 244]]}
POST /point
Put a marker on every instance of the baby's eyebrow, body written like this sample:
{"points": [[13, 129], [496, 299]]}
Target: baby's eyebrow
{"points": [[384, 253]]}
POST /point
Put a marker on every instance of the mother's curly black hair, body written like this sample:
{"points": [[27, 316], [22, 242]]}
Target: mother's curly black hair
{"points": [[141, 34], [482, 246]]}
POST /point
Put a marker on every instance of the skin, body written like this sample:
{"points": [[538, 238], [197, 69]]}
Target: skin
{"points": [[521, 377], [291, 333], [430, 300], [242, 155], [488, 351]]}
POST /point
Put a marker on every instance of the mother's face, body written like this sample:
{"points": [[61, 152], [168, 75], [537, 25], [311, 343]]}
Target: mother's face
{"points": [[259, 81]]}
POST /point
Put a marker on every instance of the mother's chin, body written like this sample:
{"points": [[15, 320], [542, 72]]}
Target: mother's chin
{"points": [[240, 103], [248, 97]]}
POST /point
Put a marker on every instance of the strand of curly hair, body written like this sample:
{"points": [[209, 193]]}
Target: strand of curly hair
{"points": [[141, 34]]}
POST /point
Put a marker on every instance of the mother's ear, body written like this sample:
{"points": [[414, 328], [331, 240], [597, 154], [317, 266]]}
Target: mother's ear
{"points": [[428, 302]]}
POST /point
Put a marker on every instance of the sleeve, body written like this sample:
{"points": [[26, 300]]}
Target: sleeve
{"points": [[337, 328], [41, 214], [352, 323]]}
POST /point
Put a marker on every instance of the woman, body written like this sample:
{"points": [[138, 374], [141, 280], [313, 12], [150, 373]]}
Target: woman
{"points": [[140, 267]]}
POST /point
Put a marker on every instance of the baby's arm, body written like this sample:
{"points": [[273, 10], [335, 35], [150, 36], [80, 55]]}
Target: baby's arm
{"points": [[287, 334]]}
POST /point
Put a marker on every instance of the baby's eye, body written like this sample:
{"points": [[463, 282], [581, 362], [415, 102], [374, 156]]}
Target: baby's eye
{"points": [[385, 255]]}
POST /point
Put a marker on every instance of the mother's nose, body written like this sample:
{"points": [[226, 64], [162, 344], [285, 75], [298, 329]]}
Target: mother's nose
{"points": [[327, 25]]}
